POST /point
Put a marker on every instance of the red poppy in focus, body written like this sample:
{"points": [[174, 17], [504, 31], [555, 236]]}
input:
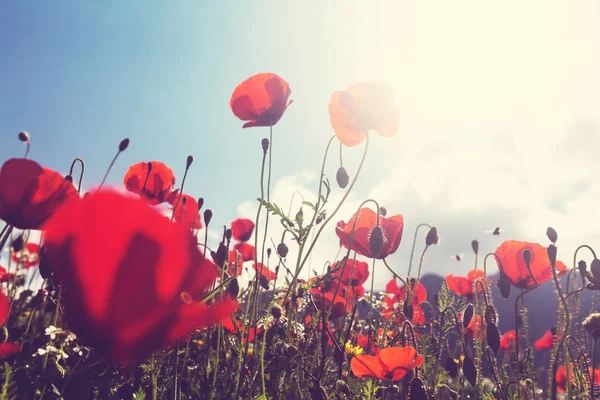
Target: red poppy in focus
{"points": [[362, 107], [366, 221], [28, 256], [356, 272], [187, 211], [261, 99], [246, 250], [510, 254], [465, 286], [546, 342], [155, 183], [508, 340], [265, 271], [4, 276], [6, 348], [392, 363], [561, 377], [131, 279], [30, 194], [242, 229]]}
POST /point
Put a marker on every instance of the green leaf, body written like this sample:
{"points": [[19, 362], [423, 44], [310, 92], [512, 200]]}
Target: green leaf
{"points": [[308, 203]]}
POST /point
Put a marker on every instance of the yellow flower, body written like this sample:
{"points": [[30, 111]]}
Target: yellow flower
{"points": [[353, 350]]}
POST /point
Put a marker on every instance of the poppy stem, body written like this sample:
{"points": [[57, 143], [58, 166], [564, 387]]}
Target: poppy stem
{"points": [[80, 160], [421, 265], [412, 250], [371, 304], [592, 381], [187, 168], [6, 231], [567, 324], [112, 163]]}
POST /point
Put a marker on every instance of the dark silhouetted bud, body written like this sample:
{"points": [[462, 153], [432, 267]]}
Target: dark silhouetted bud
{"points": [[319, 219], [3, 335], [408, 310], [553, 331], [504, 285], [149, 167], [470, 371], [200, 202], [552, 235], [582, 270], [300, 291], [299, 216], [595, 268], [264, 282], [490, 314], [228, 234], [452, 367], [265, 144], [527, 257], [417, 390], [124, 144], [468, 315], [233, 289], [69, 178], [45, 268], [276, 312], [282, 250], [382, 211], [376, 241], [342, 177], [189, 161], [221, 255], [493, 337], [17, 244], [207, 216], [23, 137], [268, 252], [475, 246], [432, 237], [552, 254]]}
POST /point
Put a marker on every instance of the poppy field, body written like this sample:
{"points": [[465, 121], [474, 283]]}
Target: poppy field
{"points": [[123, 296]]}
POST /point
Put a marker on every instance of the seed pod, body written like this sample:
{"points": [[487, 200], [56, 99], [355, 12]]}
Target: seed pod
{"points": [[23, 136], [552, 254], [69, 178], [582, 270], [189, 161], [504, 285], [417, 390], [595, 268], [233, 289], [200, 202], [264, 282], [376, 241], [432, 237], [124, 144], [221, 255], [207, 216], [490, 314], [268, 252], [470, 371], [282, 250], [408, 310], [342, 177], [552, 235], [493, 337], [265, 144], [475, 246], [467, 315], [527, 257], [382, 211]]}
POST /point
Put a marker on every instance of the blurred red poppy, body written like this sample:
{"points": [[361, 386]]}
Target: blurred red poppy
{"points": [[235, 263], [474, 324], [508, 340], [561, 377], [261, 99], [510, 254], [6, 348], [130, 278], [28, 256], [366, 221], [5, 276], [30, 194], [464, 286], [392, 363], [362, 107], [325, 295], [155, 184], [265, 271], [396, 295], [546, 342], [187, 211], [242, 229], [356, 272], [246, 250]]}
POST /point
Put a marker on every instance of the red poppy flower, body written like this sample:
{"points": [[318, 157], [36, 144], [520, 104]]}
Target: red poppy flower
{"points": [[230, 327], [28, 256], [362, 107], [546, 342], [265, 271], [325, 297], [130, 278], [475, 323], [464, 286], [367, 221], [561, 377], [4, 276], [187, 211], [362, 340], [6, 348], [392, 363], [510, 254], [242, 229], [261, 99], [246, 250], [30, 194], [155, 185], [397, 295], [508, 340], [356, 272]]}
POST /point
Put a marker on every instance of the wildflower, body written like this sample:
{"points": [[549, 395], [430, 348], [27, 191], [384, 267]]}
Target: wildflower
{"points": [[473, 327], [28, 256], [187, 210], [366, 221], [362, 107], [6, 276], [6, 348], [242, 229], [510, 254], [546, 342], [30, 194], [399, 295], [128, 302], [261, 99], [356, 272], [152, 180], [392, 363], [465, 286], [353, 350], [508, 340], [246, 250], [561, 377]]}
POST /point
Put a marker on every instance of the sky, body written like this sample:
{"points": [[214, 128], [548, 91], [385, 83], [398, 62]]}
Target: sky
{"points": [[499, 103]]}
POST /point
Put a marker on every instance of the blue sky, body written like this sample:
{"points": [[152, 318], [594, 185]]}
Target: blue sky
{"points": [[498, 102]]}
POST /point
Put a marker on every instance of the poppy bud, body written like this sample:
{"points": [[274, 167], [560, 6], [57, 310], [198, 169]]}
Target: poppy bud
{"points": [[553, 331], [552, 235], [299, 215], [319, 219], [417, 390], [265, 145], [300, 291], [467, 315], [504, 285], [408, 310], [582, 269], [490, 314], [282, 250], [233, 289], [452, 367], [149, 167], [23, 136], [124, 144], [17, 244], [228, 234], [207, 216], [276, 312], [3, 335], [552, 254], [475, 246], [382, 211], [268, 252], [200, 202], [189, 161], [69, 178], [493, 337], [342, 177], [470, 371], [527, 257], [432, 237], [376, 241], [264, 282], [595, 268]]}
